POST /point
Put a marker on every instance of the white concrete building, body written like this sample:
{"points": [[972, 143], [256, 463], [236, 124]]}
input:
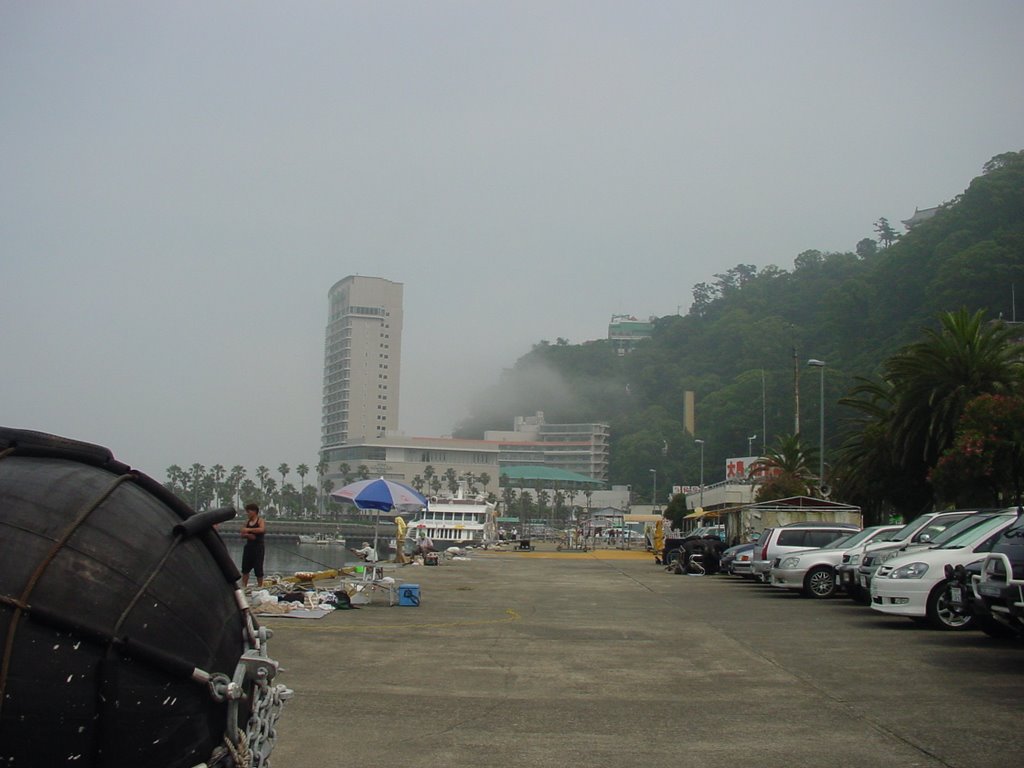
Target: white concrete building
{"points": [[362, 360]]}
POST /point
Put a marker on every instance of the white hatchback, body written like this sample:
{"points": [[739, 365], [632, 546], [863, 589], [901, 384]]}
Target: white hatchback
{"points": [[914, 584], [812, 572]]}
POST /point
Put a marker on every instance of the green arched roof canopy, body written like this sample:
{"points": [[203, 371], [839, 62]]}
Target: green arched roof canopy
{"points": [[548, 476]]}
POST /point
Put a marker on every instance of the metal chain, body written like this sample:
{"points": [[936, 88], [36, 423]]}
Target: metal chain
{"points": [[261, 734], [254, 672]]}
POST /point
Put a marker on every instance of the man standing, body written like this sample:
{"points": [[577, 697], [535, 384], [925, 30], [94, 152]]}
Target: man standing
{"points": [[252, 553]]}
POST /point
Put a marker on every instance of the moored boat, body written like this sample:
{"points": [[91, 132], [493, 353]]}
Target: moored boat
{"points": [[455, 522]]}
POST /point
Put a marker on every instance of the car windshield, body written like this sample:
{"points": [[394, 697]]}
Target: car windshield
{"points": [[960, 526], [839, 543], [903, 532], [977, 532], [887, 536], [857, 538]]}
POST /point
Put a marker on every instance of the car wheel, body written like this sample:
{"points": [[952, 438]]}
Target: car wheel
{"points": [[940, 613], [820, 582]]}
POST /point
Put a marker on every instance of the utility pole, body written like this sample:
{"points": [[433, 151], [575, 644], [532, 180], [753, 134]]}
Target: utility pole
{"points": [[796, 394]]}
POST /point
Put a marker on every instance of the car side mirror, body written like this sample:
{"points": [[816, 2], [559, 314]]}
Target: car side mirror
{"points": [[925, 538]]}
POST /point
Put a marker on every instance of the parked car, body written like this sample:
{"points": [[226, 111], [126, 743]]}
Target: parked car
{"points": [[813, 573], [914, 584], [742, 558], [775, 542], [732, 554], [997, 593], [855, 573], [960, 598]]}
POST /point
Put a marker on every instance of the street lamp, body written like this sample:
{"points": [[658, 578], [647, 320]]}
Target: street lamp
{"points": [[654, 489], [820, 365], [701, 444], [750, 445]]}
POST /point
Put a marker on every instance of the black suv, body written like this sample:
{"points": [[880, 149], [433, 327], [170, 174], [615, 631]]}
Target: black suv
{"points": [[999, 588]]}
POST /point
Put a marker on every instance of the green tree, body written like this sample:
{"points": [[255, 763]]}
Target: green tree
{"points": [[451, 479], [985, 465], [789, 466], [676, 510], [176, 479], [196, 475], [234, 481], [867, 248], [886, 234], [217, 475], [908, 418], [935, 378], [262, 476], [302, 470]]}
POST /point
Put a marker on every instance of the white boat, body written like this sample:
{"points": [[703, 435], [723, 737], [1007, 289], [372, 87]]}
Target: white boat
{"points": [[455, 522], [320, 538]]}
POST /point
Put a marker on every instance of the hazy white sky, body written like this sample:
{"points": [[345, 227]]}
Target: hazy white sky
{"points": [[182, 182]]}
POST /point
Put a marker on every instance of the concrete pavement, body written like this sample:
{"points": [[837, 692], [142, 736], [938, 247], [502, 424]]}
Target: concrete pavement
{"points": [[541, 659]]}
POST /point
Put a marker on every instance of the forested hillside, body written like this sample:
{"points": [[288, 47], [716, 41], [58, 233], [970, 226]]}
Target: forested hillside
{"points": [[752, 331]]}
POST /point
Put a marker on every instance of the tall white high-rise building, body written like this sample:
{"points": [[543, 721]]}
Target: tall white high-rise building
{"points": [[362, 360]]}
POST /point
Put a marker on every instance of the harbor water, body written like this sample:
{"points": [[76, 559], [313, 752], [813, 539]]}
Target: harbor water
{"points": [[284, 555]]}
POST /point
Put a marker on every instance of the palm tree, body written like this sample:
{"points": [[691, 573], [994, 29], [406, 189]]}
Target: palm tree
{"points": [[934, 380], [195, 476], [452, 478], [302, 470], [271, 496], [175, 479], [321, 470], [326, 487], [262, 476], [282, 470], [908, 418], [217, 473], [485, 480], [235, 478], [248, 490], [789, 466]]}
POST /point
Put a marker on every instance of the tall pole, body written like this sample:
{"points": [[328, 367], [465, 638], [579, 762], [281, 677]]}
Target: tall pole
{"points": [[750, 445], [701, 444], [796, 394], [820, 365], [764, 418], [654, 489]]}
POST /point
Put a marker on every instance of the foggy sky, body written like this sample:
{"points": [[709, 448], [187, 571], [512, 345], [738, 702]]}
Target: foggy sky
{"points": [[181, 183]]}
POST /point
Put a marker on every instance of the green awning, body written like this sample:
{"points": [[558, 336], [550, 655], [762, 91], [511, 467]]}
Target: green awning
{"points": [[547, 476]]}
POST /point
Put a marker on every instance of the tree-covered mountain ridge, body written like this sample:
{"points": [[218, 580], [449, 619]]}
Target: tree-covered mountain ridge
{"points": [[743, 347]]}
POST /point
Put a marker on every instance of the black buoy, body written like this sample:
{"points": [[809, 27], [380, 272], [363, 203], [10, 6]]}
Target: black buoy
{"points": [[124, 637]]}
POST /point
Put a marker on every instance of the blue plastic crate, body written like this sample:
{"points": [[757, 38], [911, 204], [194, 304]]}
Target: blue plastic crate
{"points": [[409, 595]]}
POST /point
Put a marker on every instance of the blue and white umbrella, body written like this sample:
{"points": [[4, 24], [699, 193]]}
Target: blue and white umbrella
{"points": [[381, 495]]}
